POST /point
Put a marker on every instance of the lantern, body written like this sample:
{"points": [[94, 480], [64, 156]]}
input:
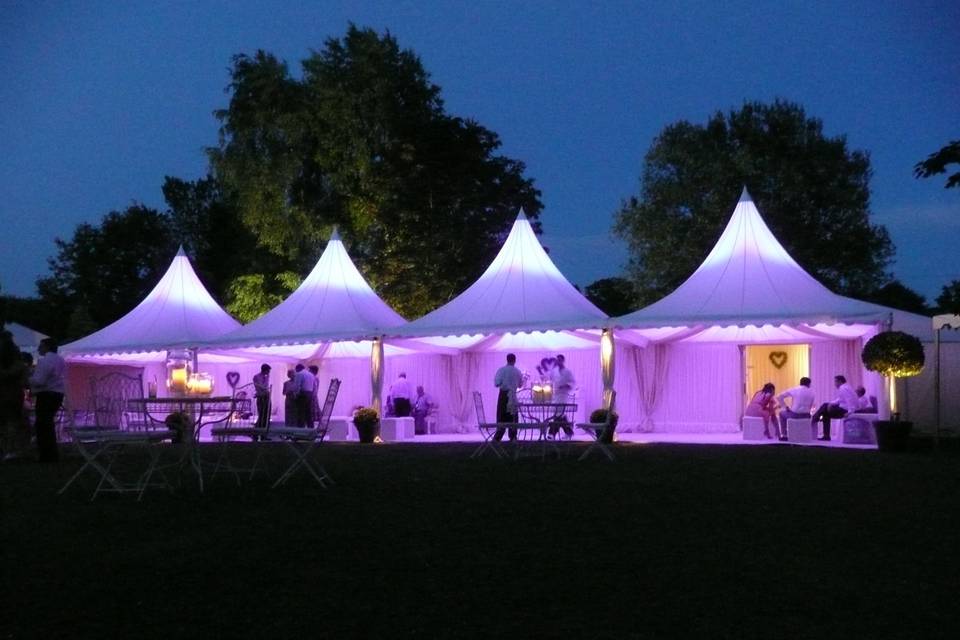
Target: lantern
{"points": [[178, 371], [200, 384]]}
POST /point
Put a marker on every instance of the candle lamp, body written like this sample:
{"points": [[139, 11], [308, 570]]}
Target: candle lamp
{"points": [[178, 372]]}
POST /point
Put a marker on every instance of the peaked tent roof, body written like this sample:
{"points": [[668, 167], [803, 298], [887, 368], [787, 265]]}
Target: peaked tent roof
{"points": [[24, 337], [750, 279], [178, 313], [334, 303], [521, 291]]}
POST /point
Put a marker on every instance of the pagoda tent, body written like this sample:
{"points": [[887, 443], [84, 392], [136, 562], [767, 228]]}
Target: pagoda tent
{"points": [[26, 339], [178, 315], [747, 315], [334, 320], [522, 304]]}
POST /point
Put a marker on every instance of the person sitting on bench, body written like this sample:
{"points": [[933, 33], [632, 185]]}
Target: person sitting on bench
{"points": [[845, 402], [802, 404]]}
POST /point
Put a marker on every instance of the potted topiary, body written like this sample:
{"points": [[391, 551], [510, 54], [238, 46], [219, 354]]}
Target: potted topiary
{"points": [[599, 416], [367, 422], [893, 354]]}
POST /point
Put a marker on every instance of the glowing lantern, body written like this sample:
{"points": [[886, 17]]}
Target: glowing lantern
{"points": [[542, 392], [200, 384], [178, 371]]}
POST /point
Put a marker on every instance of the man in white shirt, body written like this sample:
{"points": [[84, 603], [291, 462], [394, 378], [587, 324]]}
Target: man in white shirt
{"points": [[562, 381], [864, 403], [845, 402], [400, 394], [507, 379], [800, 407], [304, 382], [48, 383]]}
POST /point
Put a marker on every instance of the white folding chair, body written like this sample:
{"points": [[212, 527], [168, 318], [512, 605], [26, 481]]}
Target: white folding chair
{"points": [[304, 443], [102, 447], [238, 426], [487, 430], [601, 433]]}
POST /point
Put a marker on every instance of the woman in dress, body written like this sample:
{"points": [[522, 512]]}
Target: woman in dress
{"points": [[763, 405]]}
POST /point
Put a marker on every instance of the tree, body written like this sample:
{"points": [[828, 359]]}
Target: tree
{"points": [[108, 269], [252, 295], [897, 295], [614, 296], [936, 163], [949, 299], [362, 141], [813, 192]]}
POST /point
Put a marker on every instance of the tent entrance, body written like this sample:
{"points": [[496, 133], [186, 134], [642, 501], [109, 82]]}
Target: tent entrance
{"points": [[781, 364]]}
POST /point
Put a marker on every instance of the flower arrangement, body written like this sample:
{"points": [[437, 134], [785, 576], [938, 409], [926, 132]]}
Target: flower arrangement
{"points": [[367, 422], [599, 416]]}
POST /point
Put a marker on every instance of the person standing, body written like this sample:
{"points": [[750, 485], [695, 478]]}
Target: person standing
{"points": [[314, 400], [48, 383], [562, 381], [800, 406], [261, 389], [14, 374], [290, 400], [304, 383], [844, 403], [400, 393], [507, 379]]}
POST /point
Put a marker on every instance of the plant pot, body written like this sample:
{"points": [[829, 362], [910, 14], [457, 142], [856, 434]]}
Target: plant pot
{"points": [[892, 435], [368, 431]]}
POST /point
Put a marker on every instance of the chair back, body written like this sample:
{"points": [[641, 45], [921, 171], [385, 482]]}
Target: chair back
{"points": [[478, 403], [110, 395], [324, 418]]}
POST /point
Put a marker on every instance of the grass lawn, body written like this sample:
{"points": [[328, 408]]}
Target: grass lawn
{"points": [[420, 541]]}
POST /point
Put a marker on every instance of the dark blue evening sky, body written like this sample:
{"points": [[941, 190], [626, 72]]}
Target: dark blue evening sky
{"points": [[100, 100]]}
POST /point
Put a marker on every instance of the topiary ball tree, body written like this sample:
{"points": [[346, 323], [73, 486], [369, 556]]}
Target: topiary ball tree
{"points": [[894, 354]]}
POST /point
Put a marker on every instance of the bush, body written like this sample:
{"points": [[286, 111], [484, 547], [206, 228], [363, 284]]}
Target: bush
{"points": [[365, 416], [894, 353], [600, 415]]}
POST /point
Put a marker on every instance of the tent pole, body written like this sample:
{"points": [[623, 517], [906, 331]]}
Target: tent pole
{"points": [[607, 365], [936, 386], [376, 373]]}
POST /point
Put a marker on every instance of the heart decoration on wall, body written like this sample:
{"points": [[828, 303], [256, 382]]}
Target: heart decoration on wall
{"points": [[233, 377], [778, 358]]}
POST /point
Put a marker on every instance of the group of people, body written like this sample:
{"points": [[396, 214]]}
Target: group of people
{"points": [[509, 379], [765, 404], [401, 403], [301, 406], [23, 383]]}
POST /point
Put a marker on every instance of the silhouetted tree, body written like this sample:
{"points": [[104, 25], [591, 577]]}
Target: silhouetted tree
{"points": [[936, 163], [813, 191], [949, 299], [614, 296]]}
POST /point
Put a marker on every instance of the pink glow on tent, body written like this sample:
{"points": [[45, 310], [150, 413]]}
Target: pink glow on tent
{"points": [[749, 279], [522, 290], [177, 313], [333, 303]]}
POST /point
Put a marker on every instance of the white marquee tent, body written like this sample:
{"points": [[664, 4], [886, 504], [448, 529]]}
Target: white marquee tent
{"points": [[747, 308], [178, 313], [25, 338], [522, 304]]}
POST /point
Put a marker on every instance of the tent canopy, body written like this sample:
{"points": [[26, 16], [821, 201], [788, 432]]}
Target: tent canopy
{"points": [[334, 303], [24, 337], [178, 314], [749, 289], [522, 291]]}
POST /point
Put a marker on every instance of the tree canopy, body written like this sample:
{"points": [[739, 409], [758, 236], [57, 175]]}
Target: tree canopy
{"points": [[949, 299], [936, 163], [362, 141], [812, 189], [106, 270]]}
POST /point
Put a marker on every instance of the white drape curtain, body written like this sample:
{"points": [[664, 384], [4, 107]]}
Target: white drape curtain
{"points": [[650, 371], [833, 357], [701, 390]]}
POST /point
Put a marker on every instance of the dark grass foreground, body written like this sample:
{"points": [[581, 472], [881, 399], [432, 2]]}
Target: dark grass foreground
{"points": [[419, 541]]}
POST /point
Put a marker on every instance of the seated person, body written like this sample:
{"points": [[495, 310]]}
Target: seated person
{"points": [[763, 405], [865, 403], [802, 403], [422, 406]]}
